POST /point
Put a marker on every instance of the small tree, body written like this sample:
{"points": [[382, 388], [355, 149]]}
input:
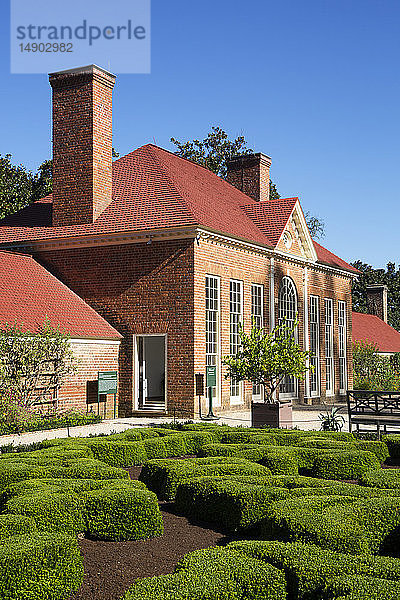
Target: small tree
{"points": [[372, 371], [266, 358], [32, 365]]}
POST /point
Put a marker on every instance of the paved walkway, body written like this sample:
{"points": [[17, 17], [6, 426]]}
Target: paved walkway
{"points": [[303, 418]]}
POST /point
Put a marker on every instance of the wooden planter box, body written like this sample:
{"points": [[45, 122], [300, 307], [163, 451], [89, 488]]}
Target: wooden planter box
{"points": [[278, 414]]}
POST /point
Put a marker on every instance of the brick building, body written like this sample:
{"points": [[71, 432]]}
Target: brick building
{"points": [[174, 258], [373, 327], [30, 295]]}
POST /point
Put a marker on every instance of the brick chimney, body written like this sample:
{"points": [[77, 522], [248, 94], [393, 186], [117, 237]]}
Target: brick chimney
{"points": [[377, 301], [82, 144], [249, 173]]}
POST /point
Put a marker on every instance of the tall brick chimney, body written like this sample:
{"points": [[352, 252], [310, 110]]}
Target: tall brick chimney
{"points": [[82, 144], [250, 174], [377, 301]]}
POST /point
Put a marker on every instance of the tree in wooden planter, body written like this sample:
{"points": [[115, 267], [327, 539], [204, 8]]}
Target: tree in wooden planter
{"points": [[265, 359]]}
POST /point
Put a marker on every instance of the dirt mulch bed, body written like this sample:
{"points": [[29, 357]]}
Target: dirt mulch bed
{"points": [[112, 567]]}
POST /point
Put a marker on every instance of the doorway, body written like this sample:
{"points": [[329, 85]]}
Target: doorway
{"points": [[150, 372]]}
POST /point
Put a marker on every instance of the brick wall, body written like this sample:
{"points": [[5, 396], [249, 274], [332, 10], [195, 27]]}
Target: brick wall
{"points": [[80, 391], [139, 289], [82, 145], [250, 174]]}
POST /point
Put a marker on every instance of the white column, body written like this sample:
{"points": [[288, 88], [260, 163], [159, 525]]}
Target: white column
{"points": [[272, 294]]}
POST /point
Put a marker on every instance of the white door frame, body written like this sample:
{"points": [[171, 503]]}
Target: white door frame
{"points": [[135, 387]]}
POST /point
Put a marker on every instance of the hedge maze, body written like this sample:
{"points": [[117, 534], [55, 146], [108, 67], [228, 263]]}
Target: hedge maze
{"points": [[323, 515]]}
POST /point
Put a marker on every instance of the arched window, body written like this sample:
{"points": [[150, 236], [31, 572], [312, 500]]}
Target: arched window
{"points": [[287, 310]]}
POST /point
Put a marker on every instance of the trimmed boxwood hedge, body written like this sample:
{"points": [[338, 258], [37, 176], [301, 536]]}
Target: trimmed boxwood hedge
{"points": [[393, 443], [362, 588], [343, 523], [344, 465], [164, 476], [309, 569], [38, 566], [382, 478], [230, 504], [112, 509], [213, 574], [122, 514]]}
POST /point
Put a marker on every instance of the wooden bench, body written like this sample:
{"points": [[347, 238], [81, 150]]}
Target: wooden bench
{"points": [[370, 407]]}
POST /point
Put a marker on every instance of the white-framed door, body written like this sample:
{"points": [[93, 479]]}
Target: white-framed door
{"points": [[150, 371]]}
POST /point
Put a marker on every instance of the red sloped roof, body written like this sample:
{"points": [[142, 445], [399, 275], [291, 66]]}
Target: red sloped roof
{"points": [[328, 258], [271, 217], [155, 189], [29, 294], [373, 329]]}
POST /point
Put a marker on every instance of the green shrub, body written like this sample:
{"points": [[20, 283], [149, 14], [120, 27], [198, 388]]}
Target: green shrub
{"points": [[343, 523], [253, 452], [382, 478], [175, 444], [230, 504], [38, 566], [344, 465], [50, 511], [213, 574], [164, 476], [195, 440], [118, 453], [380, 449], [122, 514], [309, 568], [280, 461], [155, 448], [16, 525], [393, 443], [362, 588]]}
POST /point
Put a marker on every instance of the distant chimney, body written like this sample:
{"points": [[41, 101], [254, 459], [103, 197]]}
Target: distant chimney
{"points": [[250, 174], [82, 144], [377, 301]]}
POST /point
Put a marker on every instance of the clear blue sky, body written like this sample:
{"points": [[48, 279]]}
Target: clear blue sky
{"points": [[314, 84]]}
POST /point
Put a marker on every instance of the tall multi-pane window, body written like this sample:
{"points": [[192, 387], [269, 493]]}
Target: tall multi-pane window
{"points": [[257, 315], [235, 318], [287, 310], [342, 326], [329, 346], [212, 325], [314, 346]]}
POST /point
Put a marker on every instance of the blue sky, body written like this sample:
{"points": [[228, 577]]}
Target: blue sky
{"points": [[314, 84]]}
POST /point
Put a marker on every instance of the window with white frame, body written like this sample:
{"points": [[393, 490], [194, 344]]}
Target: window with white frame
{"points": [[314, 346], [342, 327], [329, 346], [235, 319], [212, 326], [257, 316], [287, 311]]}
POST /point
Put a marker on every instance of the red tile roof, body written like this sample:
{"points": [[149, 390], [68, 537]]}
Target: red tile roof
{"points": [[29, 294], [328, 258], [155, 189], [271, 217], [376, 331]]}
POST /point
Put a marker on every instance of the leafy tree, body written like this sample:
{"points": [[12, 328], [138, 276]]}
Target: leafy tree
{"points": [[15, 186], [19, 187], [32, 365], [372, 371], [315, 226], [42, 184], [214, 152], [266, 358], [390, 277]]}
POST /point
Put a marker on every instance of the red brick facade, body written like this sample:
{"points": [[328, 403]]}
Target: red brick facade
{"points": [[82, 145], [139, 252], [80, 392]]}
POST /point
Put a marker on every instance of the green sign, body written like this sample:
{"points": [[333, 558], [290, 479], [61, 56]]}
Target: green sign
{"points": [[108, 382], [211, 376]]}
